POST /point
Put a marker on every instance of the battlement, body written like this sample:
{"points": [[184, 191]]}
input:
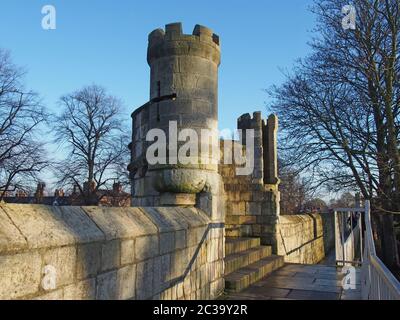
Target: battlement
{"points": [[246, 121], [172, 41], [174, 32]]}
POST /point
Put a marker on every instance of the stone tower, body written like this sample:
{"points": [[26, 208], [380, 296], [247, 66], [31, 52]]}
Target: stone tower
{"points": [[183, 95]]}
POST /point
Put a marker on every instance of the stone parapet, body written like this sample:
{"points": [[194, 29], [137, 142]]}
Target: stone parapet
{"points": [[109, 253], [303, 238]]}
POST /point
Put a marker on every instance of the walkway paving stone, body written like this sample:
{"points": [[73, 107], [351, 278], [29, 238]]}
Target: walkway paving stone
{"points": [[299, 282]]}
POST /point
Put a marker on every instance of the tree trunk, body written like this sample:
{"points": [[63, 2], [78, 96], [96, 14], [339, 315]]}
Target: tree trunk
{"points": [[389, 242]]}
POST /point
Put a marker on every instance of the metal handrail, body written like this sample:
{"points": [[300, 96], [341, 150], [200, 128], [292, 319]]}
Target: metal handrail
{"points": [[348, 246], [378, 283]]}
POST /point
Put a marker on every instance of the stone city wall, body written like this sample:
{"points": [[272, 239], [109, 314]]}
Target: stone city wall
{"points": [[302, 238], [109, 253]]}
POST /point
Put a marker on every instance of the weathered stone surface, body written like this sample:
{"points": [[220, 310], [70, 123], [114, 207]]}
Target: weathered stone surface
{"points": [[54, 295], [77, 264], [146, 247], [127, 252], [82, 290], [144, 279], [64, 261], [10, 237], [127, 282], [45, 226], [180, 239], [179, 181], [111, 255], [107, 286], [166, 219], [196, 235], [241, 219], [253, 208], [121, 223], [167, 242], [162, 273], [179, 262], [193, 216], [178, 199], [88, 260], [19, 274]]}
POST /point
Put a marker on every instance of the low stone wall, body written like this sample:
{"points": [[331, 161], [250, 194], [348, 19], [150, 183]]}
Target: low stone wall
{"points": [[109, 253], [300, 238]]}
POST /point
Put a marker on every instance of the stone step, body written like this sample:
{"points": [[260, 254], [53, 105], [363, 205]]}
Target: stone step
{"points": [[244, 277], [242, 259], [236, 245], [232, 231], [238, 230]]}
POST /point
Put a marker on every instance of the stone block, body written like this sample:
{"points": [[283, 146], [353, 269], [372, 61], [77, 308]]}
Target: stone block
{"points": [[237, 208], [162, 273], [144, 280], [195, 236], [179, 290], [241, 219], [127, 252], [253, 208], [178, 199], [64, 262], [111, 255], [127, 282], [19, 274], [88, 260], [107, 286], [187, 285], [83, 290], [146, 247], [179, 262], [217, 288], [166, 294], [180, 239], [167, 242]]}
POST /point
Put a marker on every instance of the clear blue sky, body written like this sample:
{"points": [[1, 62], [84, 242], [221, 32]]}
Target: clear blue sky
{"points": [[105, 42]]}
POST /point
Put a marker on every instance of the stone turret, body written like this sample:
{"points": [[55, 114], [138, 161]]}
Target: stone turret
{"points": [[183, 94]]}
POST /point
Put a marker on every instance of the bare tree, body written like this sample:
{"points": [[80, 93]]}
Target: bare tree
{"points": [[340, 108], [294, 190], [91, 129], [22, 157], [346, 200]]}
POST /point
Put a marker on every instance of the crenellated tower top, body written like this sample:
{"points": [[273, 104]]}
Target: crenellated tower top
{"points": [[203, 42]]}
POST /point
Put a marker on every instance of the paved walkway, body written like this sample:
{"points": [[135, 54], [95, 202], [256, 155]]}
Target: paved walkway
{"points": [[300, 282]]}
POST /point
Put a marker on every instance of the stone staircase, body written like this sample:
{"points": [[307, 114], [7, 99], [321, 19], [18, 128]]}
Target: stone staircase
{"points": [[247, 262]]}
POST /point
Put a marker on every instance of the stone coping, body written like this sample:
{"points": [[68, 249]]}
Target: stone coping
{"points": [[30, 226]]}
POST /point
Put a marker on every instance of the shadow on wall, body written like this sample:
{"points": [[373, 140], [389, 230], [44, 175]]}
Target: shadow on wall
{"points": [[302, 238]]}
